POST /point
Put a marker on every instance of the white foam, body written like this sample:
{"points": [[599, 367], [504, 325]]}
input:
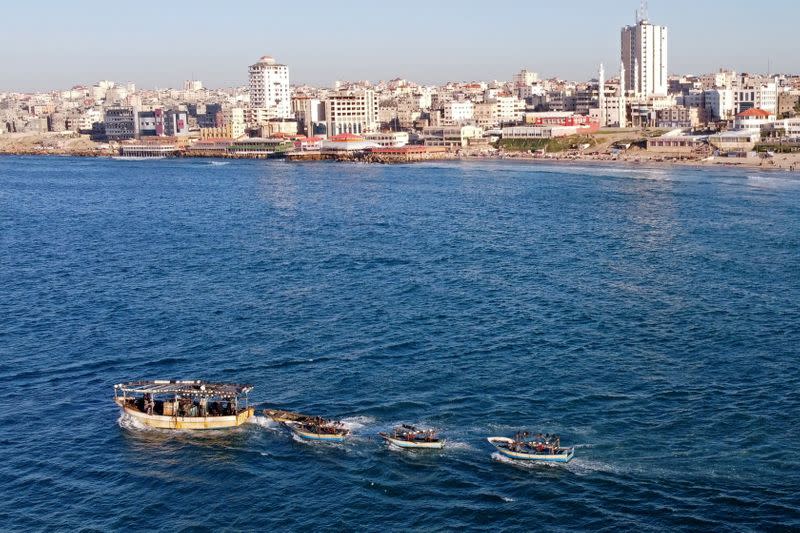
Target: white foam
{"points": [[458, 445], [263, 421], [770, 182], [130, 423], [357, 422], [586, 466]]}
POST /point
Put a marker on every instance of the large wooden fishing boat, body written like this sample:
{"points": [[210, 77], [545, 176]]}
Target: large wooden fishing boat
{"points": [[185, 404]]}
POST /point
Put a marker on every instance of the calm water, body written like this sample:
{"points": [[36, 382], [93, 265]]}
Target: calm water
{"points": [[651, 317]]}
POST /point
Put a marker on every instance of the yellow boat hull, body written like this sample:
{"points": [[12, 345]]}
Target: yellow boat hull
{"points": [[189, 422]]}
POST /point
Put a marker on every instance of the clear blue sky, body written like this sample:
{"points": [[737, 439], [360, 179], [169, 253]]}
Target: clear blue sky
{"points": [[55, 44]]}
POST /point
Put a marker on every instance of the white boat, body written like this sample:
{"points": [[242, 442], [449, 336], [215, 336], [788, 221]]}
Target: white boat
{"points": [[185, 404], [410, 437], [532, 450], [318, 429]]}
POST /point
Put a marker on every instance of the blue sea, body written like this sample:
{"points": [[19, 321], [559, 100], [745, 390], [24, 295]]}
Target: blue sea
{"points": [[650, 316]]}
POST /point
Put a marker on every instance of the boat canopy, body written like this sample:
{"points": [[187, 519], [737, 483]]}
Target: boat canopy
{"points": [[196, 388]]}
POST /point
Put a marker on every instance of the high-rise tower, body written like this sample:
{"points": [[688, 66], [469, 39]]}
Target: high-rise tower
{"points": [[644, 56], [269, 88]]}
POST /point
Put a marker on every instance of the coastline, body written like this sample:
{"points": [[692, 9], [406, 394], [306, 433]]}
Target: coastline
{"points": [[779, 162], [785, 161]]}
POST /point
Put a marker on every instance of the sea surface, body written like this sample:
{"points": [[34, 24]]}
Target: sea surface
{"points": [[651, 317]]}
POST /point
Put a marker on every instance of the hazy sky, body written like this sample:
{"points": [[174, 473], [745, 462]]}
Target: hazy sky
{"points": [[57, 44]]}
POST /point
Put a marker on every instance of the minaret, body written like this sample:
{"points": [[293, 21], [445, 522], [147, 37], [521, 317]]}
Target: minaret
{"points": [[601, 96], [623, 105]]}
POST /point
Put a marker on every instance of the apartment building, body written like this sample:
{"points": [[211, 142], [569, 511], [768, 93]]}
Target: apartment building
{"points": [[644, 57], [352, 111], [451, 137], [121, 123], [269, 88]]}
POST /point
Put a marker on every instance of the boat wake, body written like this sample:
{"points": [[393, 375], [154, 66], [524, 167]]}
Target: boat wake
{"points": [[130, 423], [264, 422], [584, 467], [458, 446], [355, 423]]}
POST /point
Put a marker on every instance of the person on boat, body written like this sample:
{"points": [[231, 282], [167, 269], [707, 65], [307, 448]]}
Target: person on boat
{"points": [[148, 404]]}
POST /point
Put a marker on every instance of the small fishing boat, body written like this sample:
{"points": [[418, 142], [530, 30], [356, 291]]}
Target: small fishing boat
{"points": [[526, 447], [279, 415], [406, 436], [187, 404], [318, 428], [309, 427]]}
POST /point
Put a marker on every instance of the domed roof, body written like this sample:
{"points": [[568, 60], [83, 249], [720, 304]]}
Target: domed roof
{"points": [[269, 60]]}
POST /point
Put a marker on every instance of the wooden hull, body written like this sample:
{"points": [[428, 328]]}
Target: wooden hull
{"points": [[188, 422], [418, 445], [279, 415], [324, 437], [562, 457]]}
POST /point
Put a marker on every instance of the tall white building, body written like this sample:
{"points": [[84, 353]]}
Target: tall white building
{"points": [[525, 78], [269, 88], [192, 85], [644, 57]]}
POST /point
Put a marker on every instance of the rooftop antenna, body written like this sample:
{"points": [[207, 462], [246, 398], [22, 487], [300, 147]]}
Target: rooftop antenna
{"points": [[642, 11]]}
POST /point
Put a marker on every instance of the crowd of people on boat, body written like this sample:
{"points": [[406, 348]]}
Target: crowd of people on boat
{"points": [[182, 406], [317, 424], [411, 434], [546, 443]]}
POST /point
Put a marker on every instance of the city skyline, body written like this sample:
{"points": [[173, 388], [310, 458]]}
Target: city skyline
{"points": [[445, 42]]}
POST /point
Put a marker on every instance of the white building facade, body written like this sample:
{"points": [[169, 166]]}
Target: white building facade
{"points": [[644, 57], [352, 112], [269, 88], [759, 95], [458, 112]]}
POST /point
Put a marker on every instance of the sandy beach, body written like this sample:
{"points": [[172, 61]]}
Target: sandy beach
{"points": [[81, 146]]}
